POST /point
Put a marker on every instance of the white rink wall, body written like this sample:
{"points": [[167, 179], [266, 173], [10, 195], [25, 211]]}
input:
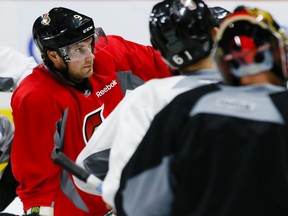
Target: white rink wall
{"points": [[126, 18]]}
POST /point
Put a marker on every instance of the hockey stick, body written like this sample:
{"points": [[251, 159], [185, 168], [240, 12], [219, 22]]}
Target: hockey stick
{"points": [[62, 160], [66, 163]]}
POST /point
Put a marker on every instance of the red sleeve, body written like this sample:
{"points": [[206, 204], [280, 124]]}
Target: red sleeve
{"points": [[32, 147], [144, 61]]}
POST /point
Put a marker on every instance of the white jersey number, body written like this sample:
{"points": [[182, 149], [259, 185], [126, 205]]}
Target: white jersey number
{"points": [[179, 60]]}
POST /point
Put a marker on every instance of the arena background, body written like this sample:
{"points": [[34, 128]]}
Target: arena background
{"points": [[126, 18]]}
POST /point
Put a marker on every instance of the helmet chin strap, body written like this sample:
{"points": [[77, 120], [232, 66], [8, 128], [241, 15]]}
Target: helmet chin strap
{"points": [[61, 75]]}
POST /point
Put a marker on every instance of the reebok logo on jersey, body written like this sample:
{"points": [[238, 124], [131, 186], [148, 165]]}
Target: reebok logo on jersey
{"points": [[237, 105], [106, 88]]}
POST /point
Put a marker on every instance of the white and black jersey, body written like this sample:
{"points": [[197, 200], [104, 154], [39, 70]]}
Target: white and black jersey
{"points": [[224, 154], [124, 128], [14, 67]]}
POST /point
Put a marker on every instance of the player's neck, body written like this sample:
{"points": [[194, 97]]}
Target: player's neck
{"points": [[261, 78], [206, 63]]}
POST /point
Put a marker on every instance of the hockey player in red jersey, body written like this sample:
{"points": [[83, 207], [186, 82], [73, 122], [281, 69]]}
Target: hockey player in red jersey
{"points": [[57, 108]]}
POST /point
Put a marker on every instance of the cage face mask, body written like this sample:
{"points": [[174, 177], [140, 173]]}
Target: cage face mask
{"points": [[81, 50]]}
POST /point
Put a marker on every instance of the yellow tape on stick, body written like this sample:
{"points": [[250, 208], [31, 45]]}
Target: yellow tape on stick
{"points": [[3, 166]]}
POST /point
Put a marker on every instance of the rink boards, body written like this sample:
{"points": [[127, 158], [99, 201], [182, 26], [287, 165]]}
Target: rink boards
{"points": [[5, 107]]}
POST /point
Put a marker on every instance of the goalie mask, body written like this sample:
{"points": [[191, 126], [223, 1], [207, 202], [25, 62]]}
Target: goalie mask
{"points": [[250, 42]]}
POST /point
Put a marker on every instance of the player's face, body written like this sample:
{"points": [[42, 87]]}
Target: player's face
{"points": [[82, 68]]}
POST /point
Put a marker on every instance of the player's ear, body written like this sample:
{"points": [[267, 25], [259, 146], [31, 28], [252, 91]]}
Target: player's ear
{"points": [[53, 56], [214, 32]]}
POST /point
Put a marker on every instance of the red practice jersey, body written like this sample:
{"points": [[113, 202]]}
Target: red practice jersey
{"points": [[38, 105]]}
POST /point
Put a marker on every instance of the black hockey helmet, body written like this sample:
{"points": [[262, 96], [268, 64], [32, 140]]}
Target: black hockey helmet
{"points": [[249, 42], [219, 14], [181, 31], [61, 27]]}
